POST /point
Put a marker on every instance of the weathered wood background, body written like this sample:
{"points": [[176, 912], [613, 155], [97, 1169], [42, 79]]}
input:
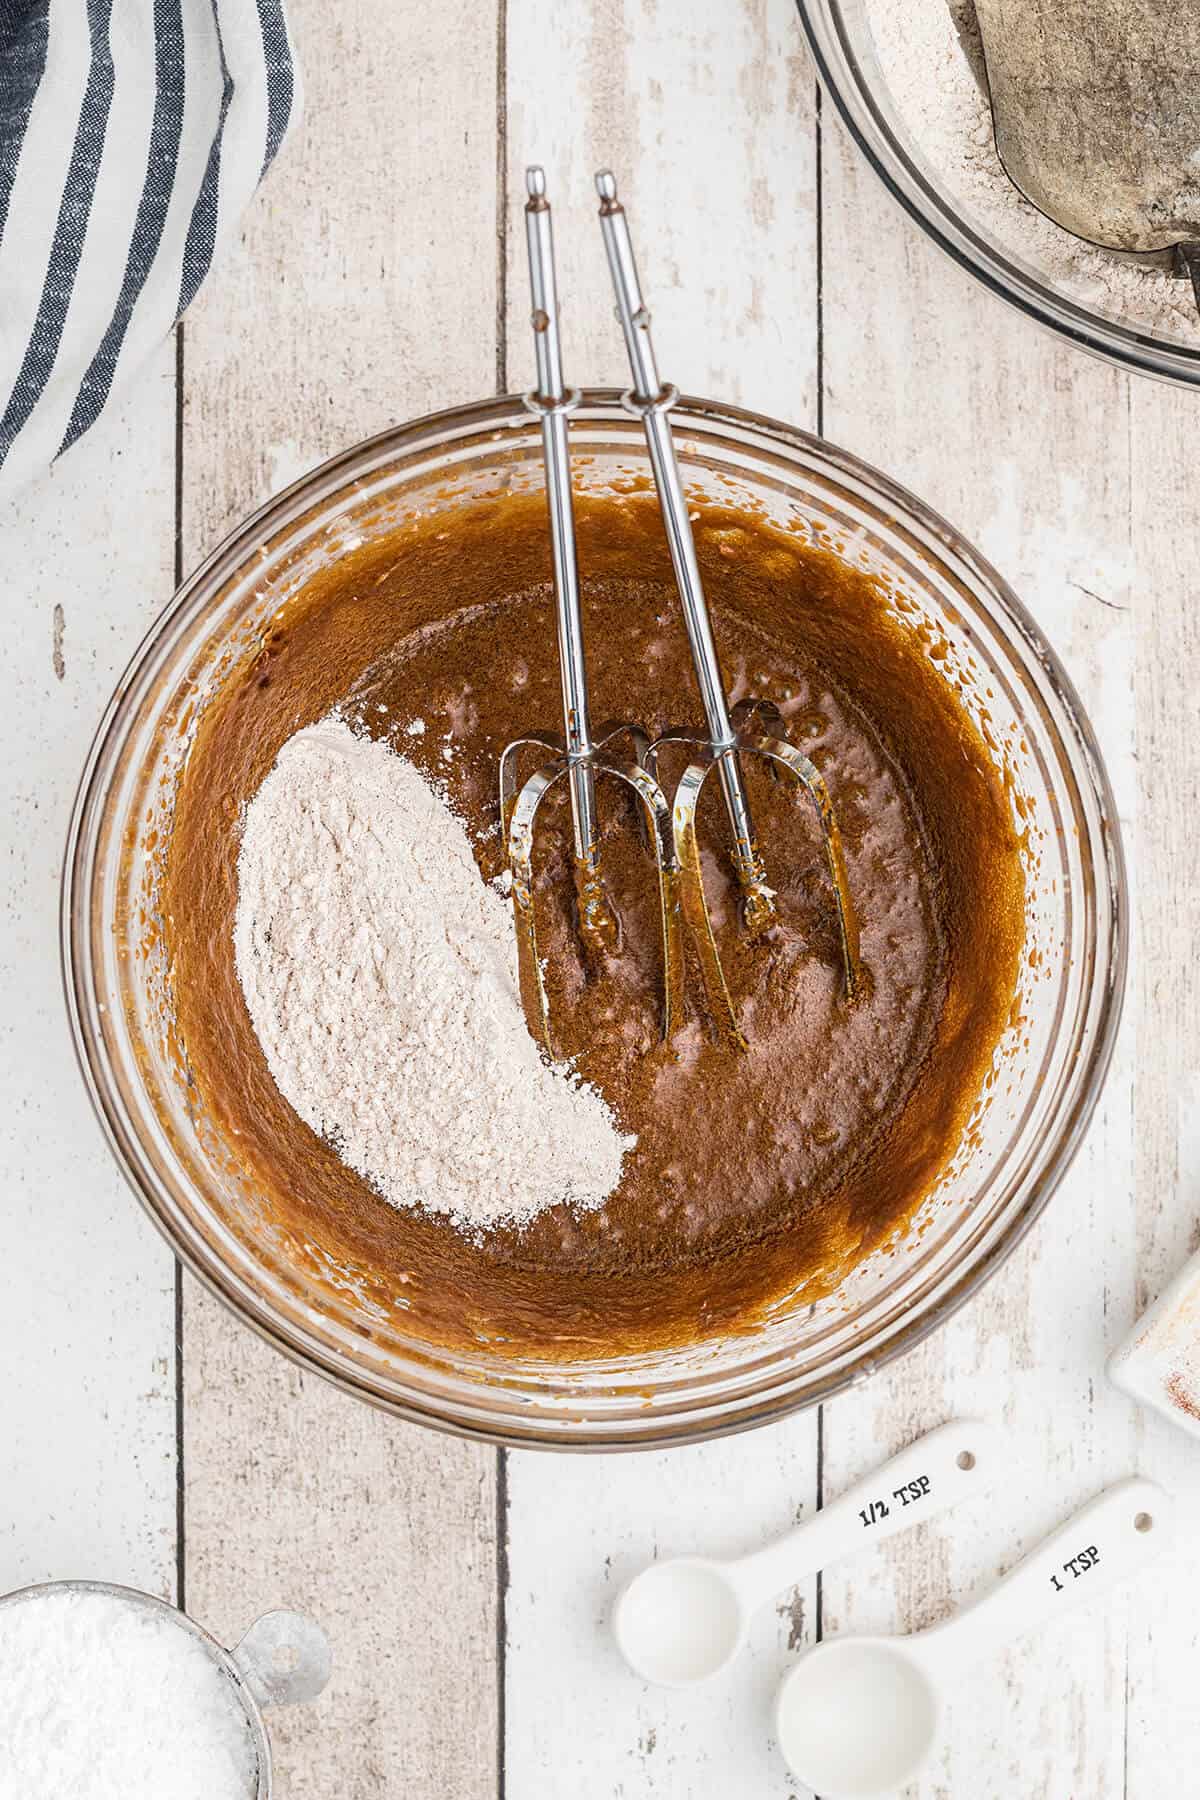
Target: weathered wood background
{"points": [[146, 1437]]}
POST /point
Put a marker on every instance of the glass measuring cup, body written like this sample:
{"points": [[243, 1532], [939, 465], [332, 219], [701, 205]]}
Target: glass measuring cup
{"points": [[283, 1659]]}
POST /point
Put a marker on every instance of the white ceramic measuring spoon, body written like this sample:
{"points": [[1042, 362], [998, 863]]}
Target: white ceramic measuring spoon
{"points": [[858, 1716], [680, 1621]]}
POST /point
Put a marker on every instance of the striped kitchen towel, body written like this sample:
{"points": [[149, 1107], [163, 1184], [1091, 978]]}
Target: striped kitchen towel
{"points": [[132, 135]]}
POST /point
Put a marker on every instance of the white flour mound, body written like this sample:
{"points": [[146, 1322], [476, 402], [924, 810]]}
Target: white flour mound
{"points": [[926, 49], [101, 1699], [380, 974]]}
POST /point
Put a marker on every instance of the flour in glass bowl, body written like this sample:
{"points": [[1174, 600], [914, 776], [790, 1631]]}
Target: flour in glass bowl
{"points": [[380, 974], [105, 1698], [929, 52]]}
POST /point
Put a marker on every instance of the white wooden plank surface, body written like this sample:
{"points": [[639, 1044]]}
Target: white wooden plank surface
{"points": [[365, 292], [1024, 445], [706, 116], [300, 1496], [1163, 1727], [367, 267], [87, 1373]]}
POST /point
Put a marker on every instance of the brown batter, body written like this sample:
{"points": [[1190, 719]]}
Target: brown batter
{"points": [[755, 1175]]}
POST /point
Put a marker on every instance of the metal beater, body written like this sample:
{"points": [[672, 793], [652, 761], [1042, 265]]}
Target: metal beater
{"points": [[730, 734], [577, 756]]}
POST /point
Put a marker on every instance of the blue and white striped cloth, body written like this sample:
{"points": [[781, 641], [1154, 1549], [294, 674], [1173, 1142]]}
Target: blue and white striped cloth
{"points": [[132, 135]]}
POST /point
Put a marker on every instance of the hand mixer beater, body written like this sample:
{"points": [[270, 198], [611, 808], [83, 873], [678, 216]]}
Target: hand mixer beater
{"points": [[731, 734], [578, 756]]}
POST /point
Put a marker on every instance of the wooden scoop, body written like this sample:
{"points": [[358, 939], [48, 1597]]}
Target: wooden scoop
{"points": [[1096, 112]]}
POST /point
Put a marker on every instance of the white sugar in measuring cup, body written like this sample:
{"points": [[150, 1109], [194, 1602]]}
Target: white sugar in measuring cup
{"points": [[284, 1658], [679, 1622], [858, 1717]]}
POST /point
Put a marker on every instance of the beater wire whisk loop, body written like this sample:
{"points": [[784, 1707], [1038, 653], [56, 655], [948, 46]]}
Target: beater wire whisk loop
{"points": [[575, 757], [652, 401]]}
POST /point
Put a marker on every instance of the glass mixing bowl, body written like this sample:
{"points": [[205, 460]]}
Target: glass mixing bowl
{"points": [[839, 35], [1040, 1091]]}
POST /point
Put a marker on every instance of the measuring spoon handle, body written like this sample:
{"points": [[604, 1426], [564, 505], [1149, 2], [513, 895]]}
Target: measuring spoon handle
{"points": [[1112, 1538], [284, 1659], [929, 1475]]}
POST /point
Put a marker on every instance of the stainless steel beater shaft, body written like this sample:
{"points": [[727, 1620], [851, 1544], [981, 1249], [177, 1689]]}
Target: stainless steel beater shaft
{"points": [[553, 402], [651, 401]]}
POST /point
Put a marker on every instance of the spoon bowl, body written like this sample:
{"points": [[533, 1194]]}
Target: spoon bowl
{"points": [[680, 1622], [857, 1717]]}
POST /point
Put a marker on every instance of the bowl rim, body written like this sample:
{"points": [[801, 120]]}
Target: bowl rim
{"points": [[756, 1408], [1122, 346]]}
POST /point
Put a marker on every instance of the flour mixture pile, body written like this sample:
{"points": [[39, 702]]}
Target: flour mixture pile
{"points": [[931, 57], [104, 1700], [380, 974]]}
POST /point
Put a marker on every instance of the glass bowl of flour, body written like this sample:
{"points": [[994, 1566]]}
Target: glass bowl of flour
{"points": [[907, 78]]}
